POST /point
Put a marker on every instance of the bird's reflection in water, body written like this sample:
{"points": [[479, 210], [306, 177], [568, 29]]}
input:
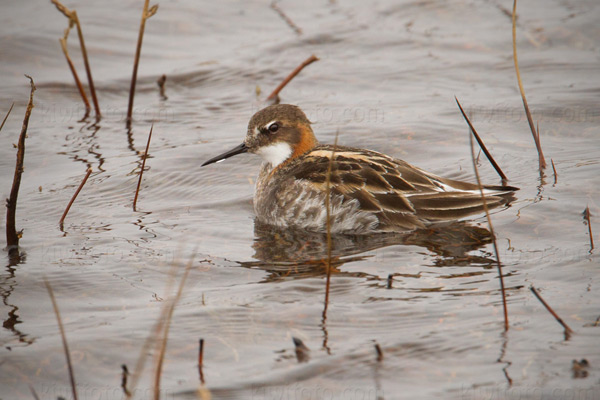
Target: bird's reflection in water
{"points": [[298, 253]]}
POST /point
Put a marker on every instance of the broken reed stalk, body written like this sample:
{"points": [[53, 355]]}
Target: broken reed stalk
{"points": [[85, 178], [163, 343], [12, 237], [63, 44], [74, 20], [7, 114], [568, 330], [534, 132], [124, 375], [161, 86], [137, 190], [146, 13], [328, 224], [554, 171], [34, 393], [481, 144], [587, 215], [379, 352], [489, 220], [291, 76], [200, 360], [63, 337], [287, 19], [151, 339]]}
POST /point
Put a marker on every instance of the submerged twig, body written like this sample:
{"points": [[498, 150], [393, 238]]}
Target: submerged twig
{"points": [[481, 144], [63, 337], [7, 114], [291, 76], [137, 190], [534, 132], [161, 85], [85, 178], [12, 237], [568, 330], [489, 220], [163, 343], [201, 360], [379, 352], [586, 216], [74, 20], [124, 375], [147, 12], [287, 19]]}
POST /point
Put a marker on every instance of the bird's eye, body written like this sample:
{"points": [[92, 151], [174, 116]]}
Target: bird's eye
{"points": [[274, 127]]}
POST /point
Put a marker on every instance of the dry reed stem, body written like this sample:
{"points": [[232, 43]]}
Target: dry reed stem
{"points": [[568, 330], [328, 225], [12, 237], [151, 339], [146, 13], [201, 360], [554, 171], [7, 114], [63, 337], [137, 190], [481, 144], [379, 352], [587, 215], [74, 20], [489, 220], [124, 375], [390, 281], [34, 393], [85, 178], [287, 19], [63, 44], [534, 132], [161, 86], [291, 76], [163, 343]]}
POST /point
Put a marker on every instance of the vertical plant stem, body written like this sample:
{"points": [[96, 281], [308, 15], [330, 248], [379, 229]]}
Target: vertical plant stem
{"points": [[12, 237], [201, 360], [64, 339], [86, 62], [7, 114], [85, 178], [63, 44], [489, 220], [587, 216], [146, 13], [328, 225], [534, 132], [137, 190]]}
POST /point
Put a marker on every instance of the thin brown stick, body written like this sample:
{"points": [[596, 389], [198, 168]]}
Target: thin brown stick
{"points": [[34, 393], [587, 215], [489, 220], [12, 237], [534, 132], [328, 225], [568, 330], [161, 86], [201, 360], [137, 190], [291, 76], [379, 352], [74, 20], [146, 13], [163, 343], [63, 44], [85, 178], [63, 337], [287, 19], [7, 114], [481, 144], [554, 171], [124, 376], [390, 281]]}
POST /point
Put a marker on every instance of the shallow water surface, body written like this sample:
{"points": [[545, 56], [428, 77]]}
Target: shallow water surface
{"points": [[386, 80]]}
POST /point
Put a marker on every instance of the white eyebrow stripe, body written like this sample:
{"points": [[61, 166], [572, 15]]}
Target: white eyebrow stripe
{"points": [[270, 123]]}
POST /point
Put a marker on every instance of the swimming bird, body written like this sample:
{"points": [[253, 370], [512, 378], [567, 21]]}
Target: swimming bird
{"points": [[368, 191]]}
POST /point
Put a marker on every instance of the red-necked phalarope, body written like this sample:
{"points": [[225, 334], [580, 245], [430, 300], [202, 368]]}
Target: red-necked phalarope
{"points": [[370, 192]]}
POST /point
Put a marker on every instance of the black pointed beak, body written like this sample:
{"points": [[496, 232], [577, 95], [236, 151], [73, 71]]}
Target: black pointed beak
{"points": [[236, 150]]}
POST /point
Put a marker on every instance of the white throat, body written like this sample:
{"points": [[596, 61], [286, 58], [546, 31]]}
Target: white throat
{"points": [[275, 153]]}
